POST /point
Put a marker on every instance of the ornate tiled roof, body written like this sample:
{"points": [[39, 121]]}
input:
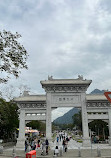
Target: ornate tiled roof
{"points": [[65, 81], [95, 97], [31, 98]]}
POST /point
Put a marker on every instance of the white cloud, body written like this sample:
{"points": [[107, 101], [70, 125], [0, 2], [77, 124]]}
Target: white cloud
{"points": [[64, 38], [59, 112]]}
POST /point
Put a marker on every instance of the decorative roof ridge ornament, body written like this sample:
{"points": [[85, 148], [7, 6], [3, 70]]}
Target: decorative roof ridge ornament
{"points": [[50, 77], [108, 96], [25, 93], [80, 77]]}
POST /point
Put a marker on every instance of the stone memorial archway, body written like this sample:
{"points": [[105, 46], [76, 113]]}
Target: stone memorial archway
{"points": [[67, 93], [63, 93]]}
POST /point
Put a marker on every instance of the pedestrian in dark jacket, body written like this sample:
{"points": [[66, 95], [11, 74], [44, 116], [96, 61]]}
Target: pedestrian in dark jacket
{"points": [[47, 146]]}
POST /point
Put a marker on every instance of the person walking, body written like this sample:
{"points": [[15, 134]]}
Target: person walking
{"points": [[47, 146], [38, 143], [56, 151], [66, 146], [60, 136], [26, 144], [64, 143], [43, 148], [33, 145], [57, 139]]}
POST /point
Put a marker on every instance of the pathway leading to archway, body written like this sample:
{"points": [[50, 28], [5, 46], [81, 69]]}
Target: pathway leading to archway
{"points": [[76, 149], [73, 144]]}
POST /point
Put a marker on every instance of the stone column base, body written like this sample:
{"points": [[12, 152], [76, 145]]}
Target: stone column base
{"points": [[109, 140], [20, 144], [86, 142]]}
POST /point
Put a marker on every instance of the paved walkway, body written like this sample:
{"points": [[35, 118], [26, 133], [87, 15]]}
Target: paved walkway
{"points": [[72, 144], [75, 149]]}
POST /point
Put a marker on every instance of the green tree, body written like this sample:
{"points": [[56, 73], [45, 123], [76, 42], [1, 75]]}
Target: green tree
{"points": [[35, 124], [56, 126], [8, 119], [77, 120], [12, 54], [100, 128]]}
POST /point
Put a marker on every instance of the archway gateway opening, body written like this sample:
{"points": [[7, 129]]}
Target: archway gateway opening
{"points": [[59, 112], [67, 119], [66, 93], [99, 131], [63, 93]]}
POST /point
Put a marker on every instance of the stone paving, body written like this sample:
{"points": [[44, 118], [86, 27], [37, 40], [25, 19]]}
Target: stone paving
{"points": [[75, 149], [72, 144]]}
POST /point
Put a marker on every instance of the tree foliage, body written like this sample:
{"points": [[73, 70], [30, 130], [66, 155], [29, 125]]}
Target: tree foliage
{"points": [[100, 127], [8, 119], [37, 125], [12, 54], [57, 126], [77, 120]]}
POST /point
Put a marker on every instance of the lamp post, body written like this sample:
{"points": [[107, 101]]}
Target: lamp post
{"points": [[95, 130], [103, 133], [98, 132], [98, 135]]}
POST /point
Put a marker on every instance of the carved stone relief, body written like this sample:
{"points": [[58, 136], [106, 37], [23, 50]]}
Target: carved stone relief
{"points": [[97, 104], [66, 99], [32, 105], [68, 88]]}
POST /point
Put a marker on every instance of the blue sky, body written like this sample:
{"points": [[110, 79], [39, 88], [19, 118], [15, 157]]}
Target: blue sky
{"points": [[64, 38]]}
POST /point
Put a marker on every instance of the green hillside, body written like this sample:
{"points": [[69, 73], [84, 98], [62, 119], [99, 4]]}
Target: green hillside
{"points": [[67, 117]]}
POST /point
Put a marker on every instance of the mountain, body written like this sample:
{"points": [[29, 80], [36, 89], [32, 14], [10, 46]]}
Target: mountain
{"points": [[67, 117], [97, 91]]}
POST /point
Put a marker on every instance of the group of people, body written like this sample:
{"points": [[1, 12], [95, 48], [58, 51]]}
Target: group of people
{"points": [[61, 137], [34, 143], [31, 144], [95, 139]]}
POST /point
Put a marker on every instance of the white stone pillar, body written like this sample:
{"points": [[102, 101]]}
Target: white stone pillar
{"points": [[21, 137], [48, 117], [86, 138], [109, 115]]}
